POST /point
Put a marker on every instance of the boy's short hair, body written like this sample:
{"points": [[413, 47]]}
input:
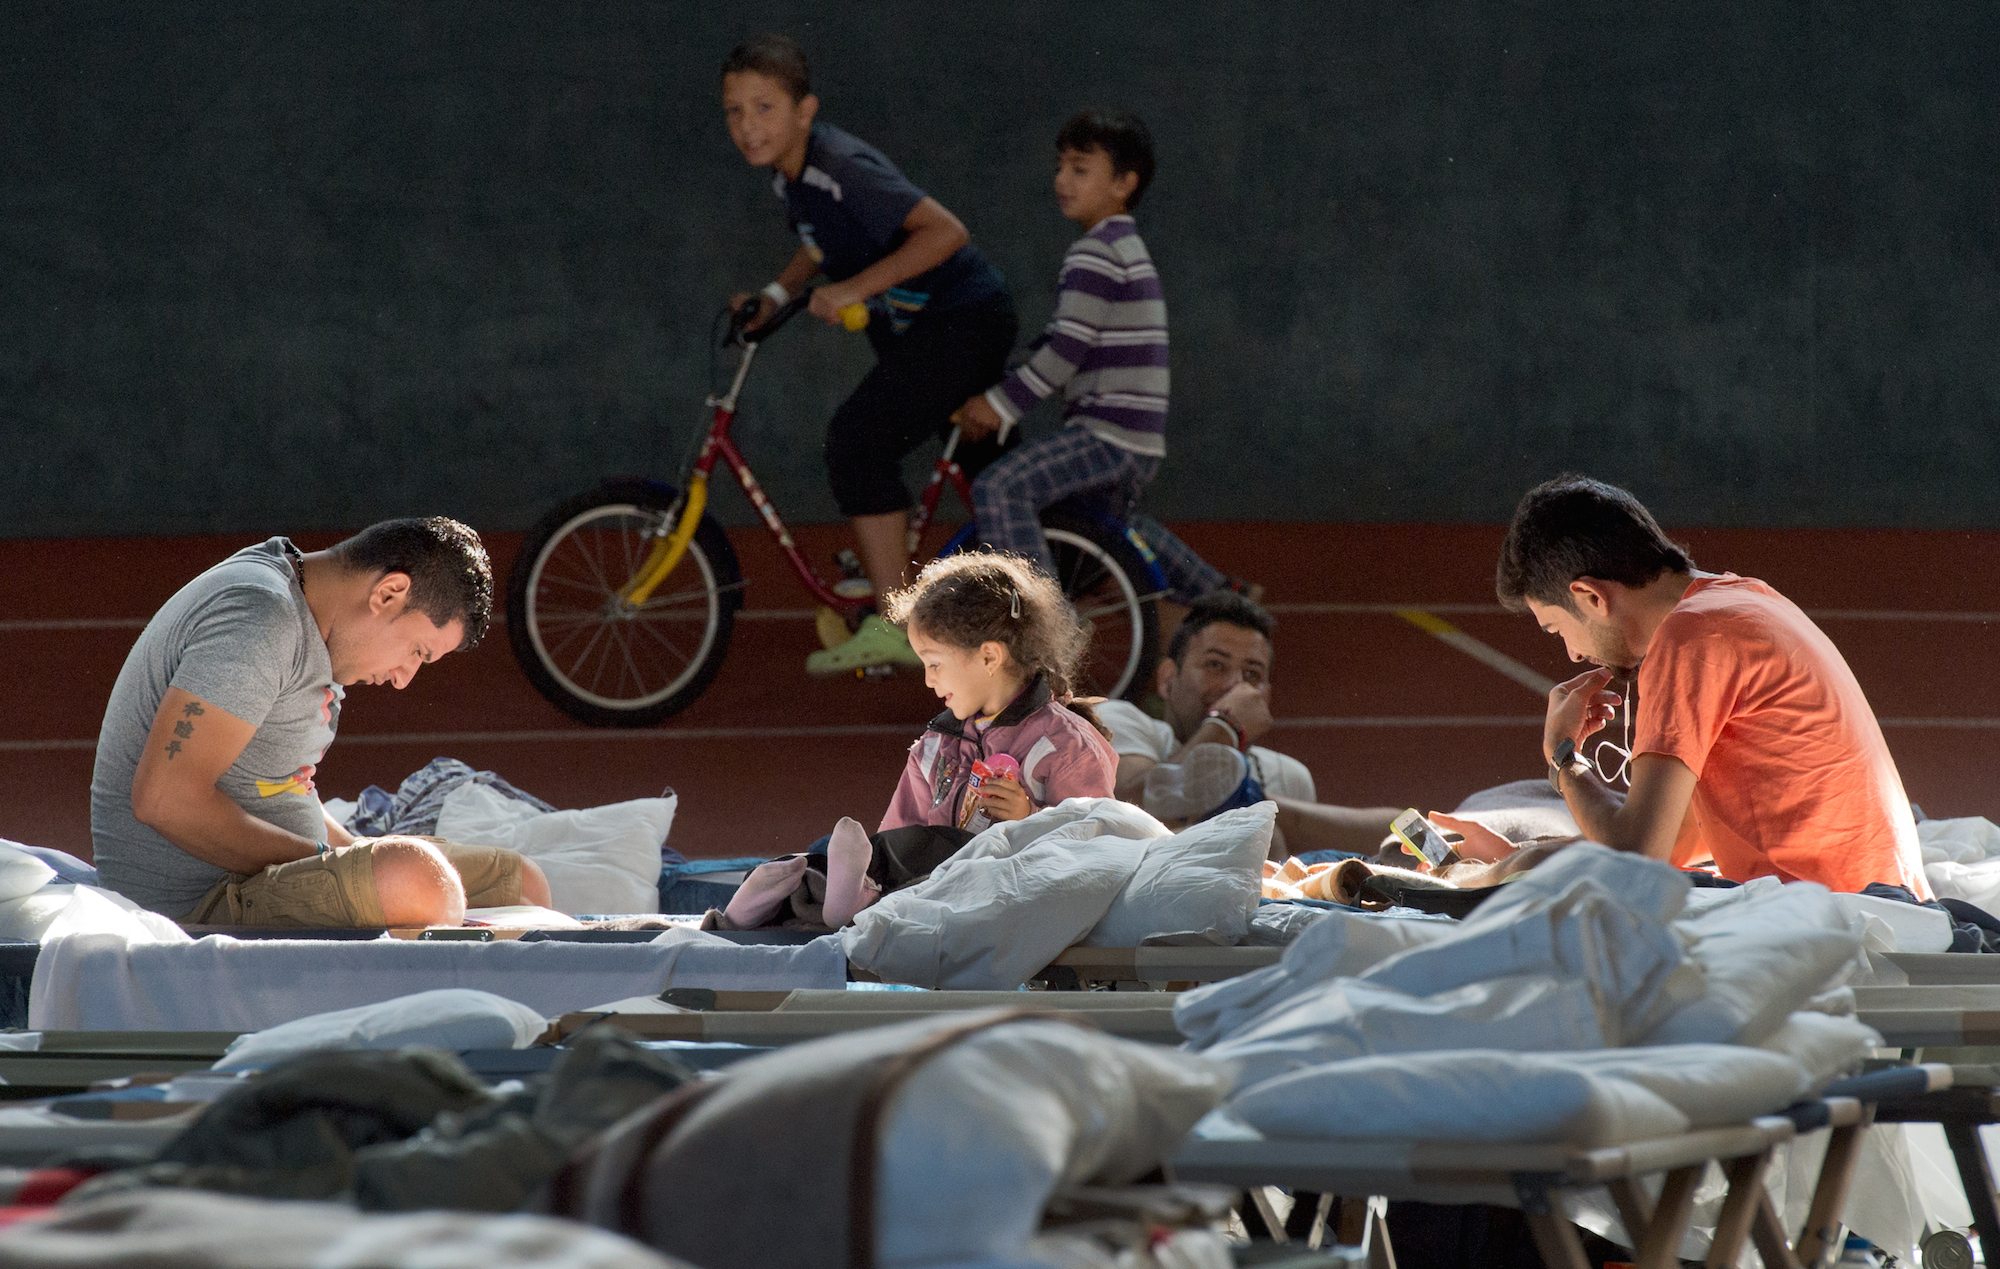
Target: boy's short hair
{"points": [[1573, 527], [450, 577], [1123, 137], [1230, 608], [776, 56]]}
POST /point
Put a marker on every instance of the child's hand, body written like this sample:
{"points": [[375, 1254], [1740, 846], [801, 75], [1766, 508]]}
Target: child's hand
{"points": [[976, 419], [1003, 799], [764, 307], [828, 300]]}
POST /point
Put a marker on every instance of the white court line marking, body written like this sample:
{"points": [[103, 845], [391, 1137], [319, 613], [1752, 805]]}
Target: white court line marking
{"points": [[1321, 723]]}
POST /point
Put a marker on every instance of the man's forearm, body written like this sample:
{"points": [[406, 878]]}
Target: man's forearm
{"points": [[215, 830], [1595, 807], [1211, 732], [1130, 783]]}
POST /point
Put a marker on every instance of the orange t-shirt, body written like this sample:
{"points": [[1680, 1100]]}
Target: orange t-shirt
{"points": [[1793, 778]]}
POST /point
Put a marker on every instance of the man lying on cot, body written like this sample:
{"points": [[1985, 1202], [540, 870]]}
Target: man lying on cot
{"points": [[1202, 759], [202, 805], [1753, 746]]}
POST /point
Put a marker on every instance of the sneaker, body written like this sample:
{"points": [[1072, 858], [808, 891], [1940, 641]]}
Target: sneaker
{"points": [[875, 643], [1199, 786]]}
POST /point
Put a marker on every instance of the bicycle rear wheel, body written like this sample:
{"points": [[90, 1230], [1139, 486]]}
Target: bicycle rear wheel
{"points": [[585, 652], [1104, 578]]}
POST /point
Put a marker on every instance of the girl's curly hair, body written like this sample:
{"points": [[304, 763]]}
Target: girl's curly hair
{"points": [[977, 597]]}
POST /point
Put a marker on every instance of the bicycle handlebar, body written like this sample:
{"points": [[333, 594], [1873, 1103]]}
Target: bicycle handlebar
{"points": [[854, 317]]}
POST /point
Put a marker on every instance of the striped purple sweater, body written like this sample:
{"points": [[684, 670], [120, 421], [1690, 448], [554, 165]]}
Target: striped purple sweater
{"points": [[1106, 347]]}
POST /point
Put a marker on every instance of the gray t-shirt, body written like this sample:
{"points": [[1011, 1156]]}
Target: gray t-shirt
{"points": [[242, 638]]}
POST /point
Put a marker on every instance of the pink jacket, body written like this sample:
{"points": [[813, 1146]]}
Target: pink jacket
{"points": [[1061, 756]]}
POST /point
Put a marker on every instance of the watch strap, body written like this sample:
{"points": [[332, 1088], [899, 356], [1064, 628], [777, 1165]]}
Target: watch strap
{"points": [[1566, 759]]}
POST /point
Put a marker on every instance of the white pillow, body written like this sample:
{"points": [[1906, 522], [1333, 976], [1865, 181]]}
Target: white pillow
{"points": [[1457, 1095], [1202, 881], [448, 1018], [21, 873], [1828, 1047], [1712, 1084], [1761, 958], [602, 860]]}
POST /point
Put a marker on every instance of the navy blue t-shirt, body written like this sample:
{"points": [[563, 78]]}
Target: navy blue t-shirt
{"points": [[848, 208]]}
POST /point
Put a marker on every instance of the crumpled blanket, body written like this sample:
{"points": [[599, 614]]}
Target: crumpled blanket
{"points": [[413, 808]]}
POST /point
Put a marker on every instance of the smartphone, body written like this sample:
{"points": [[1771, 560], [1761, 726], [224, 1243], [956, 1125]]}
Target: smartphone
{"points": [[1423, 838]]}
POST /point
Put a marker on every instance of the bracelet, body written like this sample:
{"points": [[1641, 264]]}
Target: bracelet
{"points": [[777, 293], [1237, 740], [323, 848]]}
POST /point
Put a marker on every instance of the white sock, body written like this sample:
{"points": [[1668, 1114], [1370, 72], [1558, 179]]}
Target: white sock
{"points": [[848, 886]]}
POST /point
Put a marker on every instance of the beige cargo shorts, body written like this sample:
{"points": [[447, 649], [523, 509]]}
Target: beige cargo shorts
{"points": [[336, 891]]}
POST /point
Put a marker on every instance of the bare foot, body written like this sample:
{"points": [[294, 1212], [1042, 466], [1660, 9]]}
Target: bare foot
{"points": [[848, 886], [767, 886]]}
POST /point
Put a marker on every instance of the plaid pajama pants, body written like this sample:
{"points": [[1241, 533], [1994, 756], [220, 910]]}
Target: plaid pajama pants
{"points": [[1008, 499]]}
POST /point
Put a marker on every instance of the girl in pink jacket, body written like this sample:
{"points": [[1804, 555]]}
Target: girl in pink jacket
{"points": [[999, 644]]}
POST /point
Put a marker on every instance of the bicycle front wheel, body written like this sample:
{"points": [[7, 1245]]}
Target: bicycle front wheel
{"points": [[595, 658], [1104, 578]]}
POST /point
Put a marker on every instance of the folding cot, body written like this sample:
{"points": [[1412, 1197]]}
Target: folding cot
{"points": [[1533, 1177], [780, 1018], [1957, 1008]]}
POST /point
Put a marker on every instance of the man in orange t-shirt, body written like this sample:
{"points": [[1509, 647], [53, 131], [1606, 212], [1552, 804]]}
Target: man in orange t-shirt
{"points": [[1754, 745]]}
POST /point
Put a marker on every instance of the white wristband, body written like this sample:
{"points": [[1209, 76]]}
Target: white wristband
{"points": [[779, 295]]}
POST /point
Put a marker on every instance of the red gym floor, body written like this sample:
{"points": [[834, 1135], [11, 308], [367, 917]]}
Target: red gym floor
{"points": [[1382, 712]]}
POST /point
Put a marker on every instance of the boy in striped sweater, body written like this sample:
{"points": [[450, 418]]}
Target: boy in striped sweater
{"points": [[1106, 348]]}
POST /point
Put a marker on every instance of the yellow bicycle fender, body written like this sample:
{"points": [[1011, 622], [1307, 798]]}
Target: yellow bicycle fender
{"points": [[667, 551]]}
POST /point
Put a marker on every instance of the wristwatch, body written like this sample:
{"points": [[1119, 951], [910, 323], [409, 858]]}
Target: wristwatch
{"points": [[1566, 759]]}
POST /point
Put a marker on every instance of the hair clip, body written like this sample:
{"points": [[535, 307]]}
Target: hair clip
{"points": [[1013, 603]]}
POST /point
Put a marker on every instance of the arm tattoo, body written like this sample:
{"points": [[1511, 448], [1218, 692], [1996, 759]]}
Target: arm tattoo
{"points": [[184, 729]]}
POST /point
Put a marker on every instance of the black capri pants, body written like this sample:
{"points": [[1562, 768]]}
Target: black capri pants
{"points": [[920, 377]]}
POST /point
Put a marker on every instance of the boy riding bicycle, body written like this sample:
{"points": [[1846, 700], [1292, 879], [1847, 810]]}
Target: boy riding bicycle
{"points": [[1106, 348], [940, 318]]}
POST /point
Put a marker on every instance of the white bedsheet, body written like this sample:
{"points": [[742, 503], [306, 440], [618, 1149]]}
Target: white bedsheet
{"points": [[96, 982]]}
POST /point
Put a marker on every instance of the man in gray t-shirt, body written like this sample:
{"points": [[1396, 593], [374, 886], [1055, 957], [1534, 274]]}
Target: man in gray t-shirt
{"points": [[202, 804], [1216, 683]]}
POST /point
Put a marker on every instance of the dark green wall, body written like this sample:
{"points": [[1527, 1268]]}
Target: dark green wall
{"points": [[303, 266]]}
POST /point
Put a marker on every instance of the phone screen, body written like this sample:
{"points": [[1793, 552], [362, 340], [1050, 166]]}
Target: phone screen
{"points": [[1422, 837]]}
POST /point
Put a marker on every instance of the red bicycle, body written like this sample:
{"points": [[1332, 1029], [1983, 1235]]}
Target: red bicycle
{"points": [[622, 602]]}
